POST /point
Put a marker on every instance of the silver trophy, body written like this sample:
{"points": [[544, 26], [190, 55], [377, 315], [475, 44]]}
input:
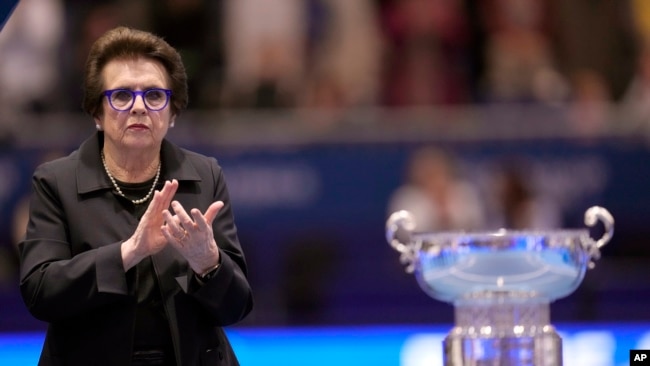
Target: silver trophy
{"points": [[501, 284]]}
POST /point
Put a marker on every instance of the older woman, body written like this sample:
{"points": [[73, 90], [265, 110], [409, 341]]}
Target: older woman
{"points": [[131, 252]]}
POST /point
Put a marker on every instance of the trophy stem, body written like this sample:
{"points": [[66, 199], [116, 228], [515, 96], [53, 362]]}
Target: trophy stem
{"points": [[502, 329]]}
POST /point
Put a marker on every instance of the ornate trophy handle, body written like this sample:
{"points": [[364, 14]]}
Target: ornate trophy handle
{"points": [[592, 215], [596, 213], [399, 227]]}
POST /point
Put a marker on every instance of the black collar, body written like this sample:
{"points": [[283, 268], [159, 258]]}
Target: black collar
{"points": [[91, 175]]}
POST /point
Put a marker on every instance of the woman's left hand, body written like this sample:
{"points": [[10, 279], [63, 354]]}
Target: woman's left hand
{"points": [[192, 235]]}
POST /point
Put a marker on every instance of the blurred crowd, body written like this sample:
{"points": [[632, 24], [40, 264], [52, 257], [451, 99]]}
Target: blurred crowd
{"points": [[343, 54]]}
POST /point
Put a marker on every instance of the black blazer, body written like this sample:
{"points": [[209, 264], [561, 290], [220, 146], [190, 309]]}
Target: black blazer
{"points": [[72, 274]]}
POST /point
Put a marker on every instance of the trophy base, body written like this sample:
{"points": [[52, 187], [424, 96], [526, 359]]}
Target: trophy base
{"points": [[502, 329], [538, 350]]}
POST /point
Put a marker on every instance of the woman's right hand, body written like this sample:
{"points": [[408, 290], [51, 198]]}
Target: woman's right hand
{"points": [[148, 238]]}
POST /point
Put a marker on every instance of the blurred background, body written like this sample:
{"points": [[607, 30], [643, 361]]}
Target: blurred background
{"points": [[328, 115]]}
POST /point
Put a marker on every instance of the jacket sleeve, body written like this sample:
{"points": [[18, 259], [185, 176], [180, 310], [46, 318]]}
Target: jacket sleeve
{"points": [[54, 282], [227, 296]]}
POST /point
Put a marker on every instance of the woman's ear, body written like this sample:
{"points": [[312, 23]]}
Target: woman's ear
{"points": [[98, 124]]}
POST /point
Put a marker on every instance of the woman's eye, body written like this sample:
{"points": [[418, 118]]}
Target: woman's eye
{"points": [[154, 95], [122, 95]]}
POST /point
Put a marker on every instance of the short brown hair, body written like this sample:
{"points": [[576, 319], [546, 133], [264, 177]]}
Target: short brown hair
{"points": [[123, 42]]}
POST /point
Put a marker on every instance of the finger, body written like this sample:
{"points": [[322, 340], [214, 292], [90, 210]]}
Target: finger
{"points": [[155, 201], [170, 220], [183, 217], [205, 221], [168, 191], [162, 198], [199, 220], [212, 211], [166, 231], [173, 225]]}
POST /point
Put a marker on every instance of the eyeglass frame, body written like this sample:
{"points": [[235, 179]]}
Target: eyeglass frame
{"points": [[135, 93]]}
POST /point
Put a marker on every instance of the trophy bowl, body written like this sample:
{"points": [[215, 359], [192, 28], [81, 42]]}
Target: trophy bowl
{"points": [[501, 284]]}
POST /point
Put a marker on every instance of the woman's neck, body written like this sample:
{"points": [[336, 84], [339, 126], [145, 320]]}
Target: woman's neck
{"points": [[132, 168]]}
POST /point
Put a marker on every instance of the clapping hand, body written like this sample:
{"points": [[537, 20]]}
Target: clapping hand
{"points": [[191, 234], [147, 238]]}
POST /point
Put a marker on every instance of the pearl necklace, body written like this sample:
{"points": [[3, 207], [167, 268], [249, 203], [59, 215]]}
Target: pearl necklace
{"points": [[119, 191]]}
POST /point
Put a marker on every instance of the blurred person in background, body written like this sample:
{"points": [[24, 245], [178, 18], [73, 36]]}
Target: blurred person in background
{"points": [[347, 50], [514, 202], [427, 53], [520, 64], [85, 22], [131, 253], [343, 59], [435, 193], [194, 27], [29, 68], [635, 103], [595, 35], [590, 104], [264, 53]]}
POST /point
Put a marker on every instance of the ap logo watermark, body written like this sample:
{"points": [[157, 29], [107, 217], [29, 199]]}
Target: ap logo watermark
{"points": [[639, 357]]}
